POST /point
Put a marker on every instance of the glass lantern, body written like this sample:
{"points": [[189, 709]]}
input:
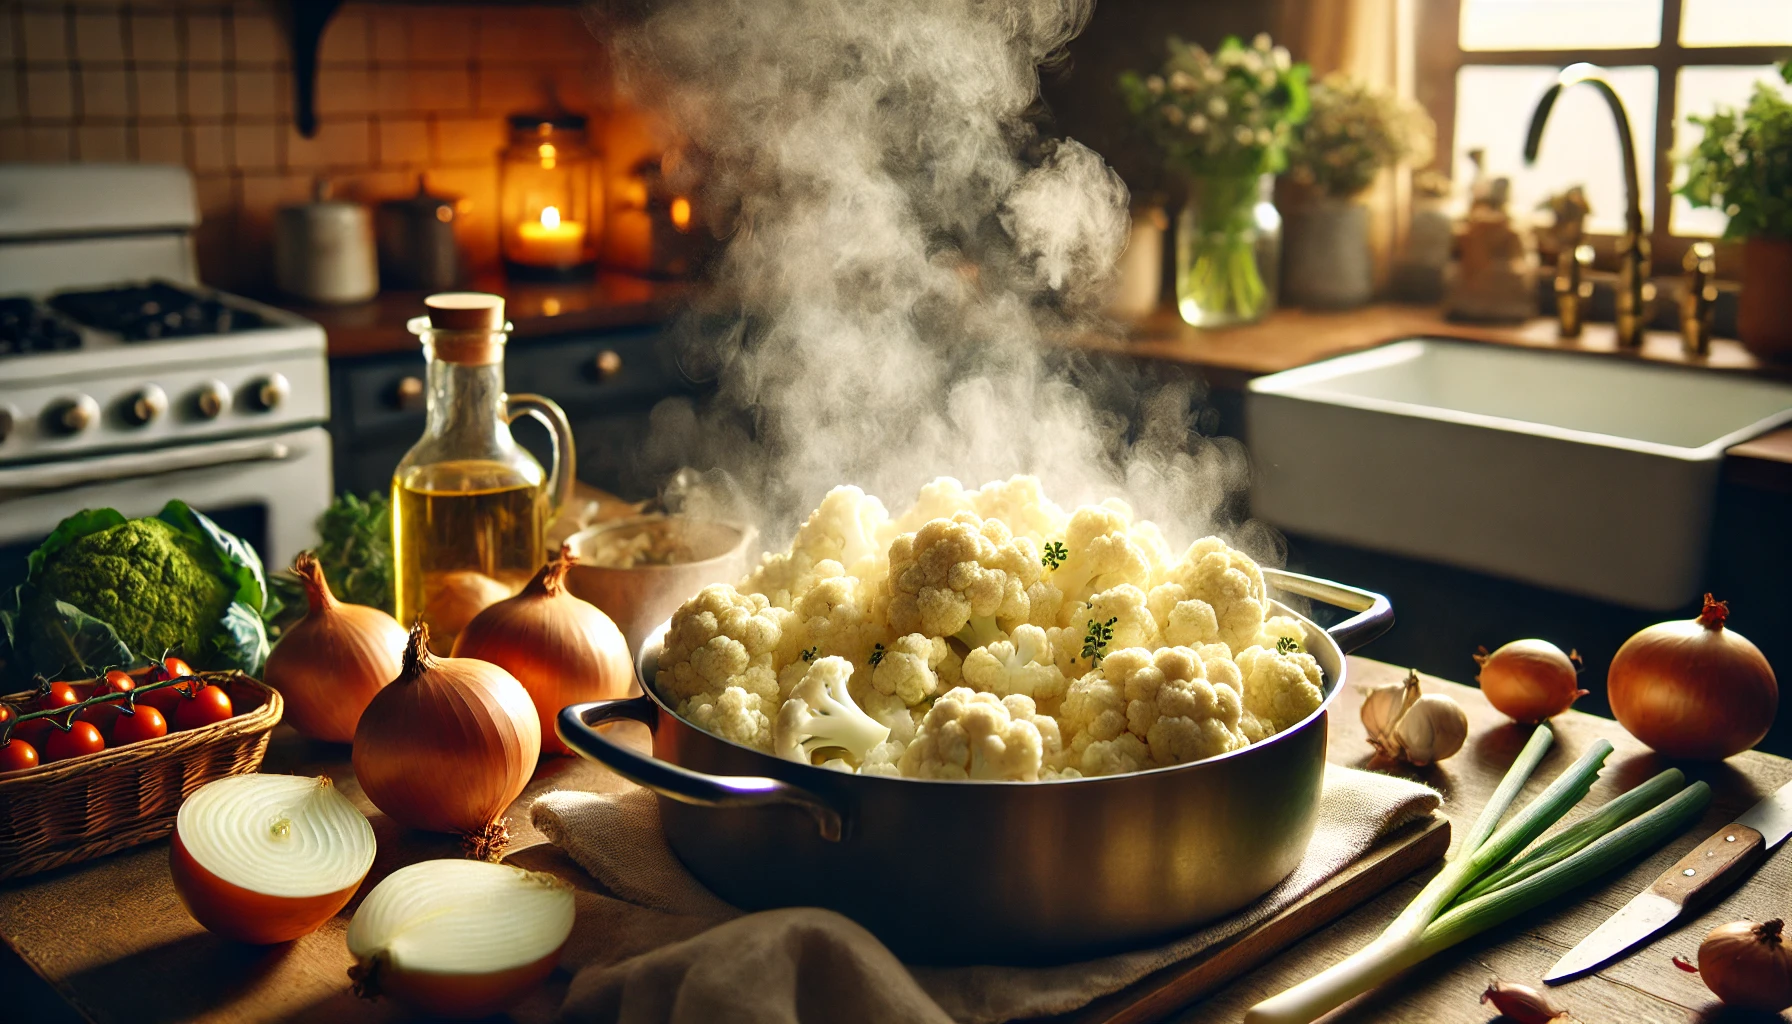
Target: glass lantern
{"points": [[551, 218]]}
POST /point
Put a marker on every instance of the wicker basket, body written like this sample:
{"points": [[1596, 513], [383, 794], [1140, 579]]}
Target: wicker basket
{"points": [[72, 810]]}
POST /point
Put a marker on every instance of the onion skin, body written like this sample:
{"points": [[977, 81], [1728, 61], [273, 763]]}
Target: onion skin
{"points": [[448, 745], [1748, 965], [241, 914], [329, 665], [1529, 680], [563, 649], [1693, 689], [451, 996]]}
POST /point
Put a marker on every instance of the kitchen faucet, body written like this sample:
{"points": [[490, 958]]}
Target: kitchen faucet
{"points": [[1634, 290]]}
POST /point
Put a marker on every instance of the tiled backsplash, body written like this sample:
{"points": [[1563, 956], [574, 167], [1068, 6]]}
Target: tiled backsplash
{"points": [[402, 89]]}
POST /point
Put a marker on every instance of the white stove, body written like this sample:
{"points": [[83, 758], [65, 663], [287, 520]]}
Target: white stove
{"points": [[124, 382]]}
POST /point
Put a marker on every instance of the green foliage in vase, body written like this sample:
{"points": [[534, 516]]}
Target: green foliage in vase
{"points": [[1352, 133], [1743, 164], [1229, 113]]}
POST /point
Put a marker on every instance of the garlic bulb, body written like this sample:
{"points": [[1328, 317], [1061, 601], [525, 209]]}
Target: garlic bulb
{"points": [[1418, 728]]}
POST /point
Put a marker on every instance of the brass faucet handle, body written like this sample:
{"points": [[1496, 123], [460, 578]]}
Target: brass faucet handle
{"points": [[1698, 299], [1573, 291]]}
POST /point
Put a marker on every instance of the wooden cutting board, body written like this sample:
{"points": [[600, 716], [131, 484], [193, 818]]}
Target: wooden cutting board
{"points": [[1159, 995]]}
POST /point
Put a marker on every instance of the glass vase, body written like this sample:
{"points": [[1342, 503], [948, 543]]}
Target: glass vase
{"points": [[1228, 251]]}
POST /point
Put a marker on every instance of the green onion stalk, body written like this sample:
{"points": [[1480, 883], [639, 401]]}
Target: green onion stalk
{"points": [[1218, 280], [1464, 898]]}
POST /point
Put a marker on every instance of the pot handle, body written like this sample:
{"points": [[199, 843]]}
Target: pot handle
{"points": [[1374, 615], [575, 726]]}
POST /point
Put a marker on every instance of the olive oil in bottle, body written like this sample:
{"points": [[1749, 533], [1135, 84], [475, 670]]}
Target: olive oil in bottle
{"points": [[470, 507]]}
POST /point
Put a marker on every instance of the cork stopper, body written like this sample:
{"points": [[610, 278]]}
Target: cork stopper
{"points": [[468, 326]]}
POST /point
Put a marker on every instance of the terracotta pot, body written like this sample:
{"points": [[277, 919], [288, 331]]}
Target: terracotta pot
{"points": [[1764, 311]]}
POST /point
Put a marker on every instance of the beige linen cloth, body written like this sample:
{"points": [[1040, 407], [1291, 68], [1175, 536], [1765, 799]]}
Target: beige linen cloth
{"points": [[670, 950]]}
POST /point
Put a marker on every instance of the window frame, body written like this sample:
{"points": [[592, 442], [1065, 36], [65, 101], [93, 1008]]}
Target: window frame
{"points": [[1438, 56]]}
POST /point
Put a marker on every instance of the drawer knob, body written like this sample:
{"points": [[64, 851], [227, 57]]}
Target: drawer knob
{"points": [[608, 364], [408, 395]]}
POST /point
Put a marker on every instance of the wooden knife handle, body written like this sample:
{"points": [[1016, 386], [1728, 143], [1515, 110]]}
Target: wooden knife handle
{"points": [[1711, 866]]}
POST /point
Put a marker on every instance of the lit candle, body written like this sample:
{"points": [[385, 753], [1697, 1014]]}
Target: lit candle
{"points": [[551, 242]]}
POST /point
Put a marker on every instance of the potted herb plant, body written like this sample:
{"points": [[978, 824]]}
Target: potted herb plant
{"points": [[1352, 133], [1743, 166], [1224, 120]]}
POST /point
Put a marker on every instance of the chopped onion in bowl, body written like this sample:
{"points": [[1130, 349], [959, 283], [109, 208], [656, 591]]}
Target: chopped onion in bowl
{"points": [[267, 858], [459, 938]]}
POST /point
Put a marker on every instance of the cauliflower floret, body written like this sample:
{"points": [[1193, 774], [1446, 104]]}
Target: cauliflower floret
{"points": [[906, 668], [1215, 594], [1279, 628], [845, 529], [1101, 554], [1279, 689], [1093, 712], [1021, 664], [1171, 705], [1132, 626], [820, 715], [1020, 502], [835, 617], [970, 735], [965, 577], [1124, 753], [721, 638], [941, 498], [735, 715]]}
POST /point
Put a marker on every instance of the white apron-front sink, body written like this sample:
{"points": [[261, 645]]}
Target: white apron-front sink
{"points": [[1587, 474]]}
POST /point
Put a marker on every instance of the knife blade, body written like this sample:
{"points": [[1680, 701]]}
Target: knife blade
{"points": [[1697, 879]]}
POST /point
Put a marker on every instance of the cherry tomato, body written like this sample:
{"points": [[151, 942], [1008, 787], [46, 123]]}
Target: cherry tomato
{"points": [[103, 716], [16, 756], [146, 724], [81, 738], [50, 696], [209, 705], [169, 668]]}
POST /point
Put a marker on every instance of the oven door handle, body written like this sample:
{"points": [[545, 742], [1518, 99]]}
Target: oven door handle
{"points": [[61, 476]]}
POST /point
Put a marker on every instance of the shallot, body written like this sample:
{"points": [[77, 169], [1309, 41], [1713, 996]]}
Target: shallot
{"points": [[1530, 680], [561, 648], [448, 745], [329, 665], [1523, 1004], [1693, 688], [459, 939]]}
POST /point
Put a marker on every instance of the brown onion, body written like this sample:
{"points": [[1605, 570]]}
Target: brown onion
{"points": [[1692, 688], [451, 599], [561, 648], [1748, 965], [448, 745], [333, 661], [1530, 680]]}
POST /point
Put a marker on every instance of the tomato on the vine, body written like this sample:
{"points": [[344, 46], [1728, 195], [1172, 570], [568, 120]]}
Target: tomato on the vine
{"points": [[16, 755], [168, 698], [103, 716], [80, 738], [209, 705], [146, 724], [50, 696]]}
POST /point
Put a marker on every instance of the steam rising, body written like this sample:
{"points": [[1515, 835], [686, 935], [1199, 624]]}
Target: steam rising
{"points": [[905, 247]]}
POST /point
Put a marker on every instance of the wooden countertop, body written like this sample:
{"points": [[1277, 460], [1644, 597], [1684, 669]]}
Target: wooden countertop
{"points": [[111, 938], [1291, 337], [604, 302]]}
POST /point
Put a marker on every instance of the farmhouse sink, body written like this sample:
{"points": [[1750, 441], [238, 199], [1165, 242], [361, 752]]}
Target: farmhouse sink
{"points": [[1582, 473]]}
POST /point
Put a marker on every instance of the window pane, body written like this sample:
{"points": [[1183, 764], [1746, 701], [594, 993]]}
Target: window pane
{"points": [[1580, 145], [1701, 90], [1562, 24], [1736, 22]]}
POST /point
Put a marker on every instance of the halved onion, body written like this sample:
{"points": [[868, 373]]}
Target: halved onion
{"points": [[267, 858], [459, 938]]}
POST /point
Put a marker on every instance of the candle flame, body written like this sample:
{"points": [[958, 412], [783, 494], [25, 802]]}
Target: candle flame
{"points": [[681, 213], [550, 217]]}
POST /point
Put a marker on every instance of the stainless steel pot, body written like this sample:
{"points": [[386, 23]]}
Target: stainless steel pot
{"points": [[991, 872]]}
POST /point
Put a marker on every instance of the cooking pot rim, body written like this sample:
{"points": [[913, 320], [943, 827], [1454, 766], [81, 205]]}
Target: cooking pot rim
{"points": [[1373, 620]]}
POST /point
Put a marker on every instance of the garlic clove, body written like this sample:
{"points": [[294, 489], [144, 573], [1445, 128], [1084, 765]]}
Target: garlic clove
{"points": [[1383, 707], [1432, 729]]}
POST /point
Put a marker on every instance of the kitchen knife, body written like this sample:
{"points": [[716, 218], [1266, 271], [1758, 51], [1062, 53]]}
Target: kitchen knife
{"points": [[1696, 880]]}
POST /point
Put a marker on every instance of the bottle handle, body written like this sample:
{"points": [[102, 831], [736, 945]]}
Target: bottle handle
{"points": [[551, 416]]}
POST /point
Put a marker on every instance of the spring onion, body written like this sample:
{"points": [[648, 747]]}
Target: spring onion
{"points": [[1465, 898]]}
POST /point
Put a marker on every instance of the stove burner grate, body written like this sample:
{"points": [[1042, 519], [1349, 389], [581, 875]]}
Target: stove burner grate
{"points": [[154, 311], [26, 326]]}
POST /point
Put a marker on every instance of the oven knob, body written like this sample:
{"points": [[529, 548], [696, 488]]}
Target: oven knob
{"points": [[8, 419], [143, 407], [212, 400], [72, 415], [608, 364], [267, 393]]}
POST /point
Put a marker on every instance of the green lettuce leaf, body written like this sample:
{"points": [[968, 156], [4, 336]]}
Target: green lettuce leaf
{"points": [[235, 561], [243, 642], [72, 644]]}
